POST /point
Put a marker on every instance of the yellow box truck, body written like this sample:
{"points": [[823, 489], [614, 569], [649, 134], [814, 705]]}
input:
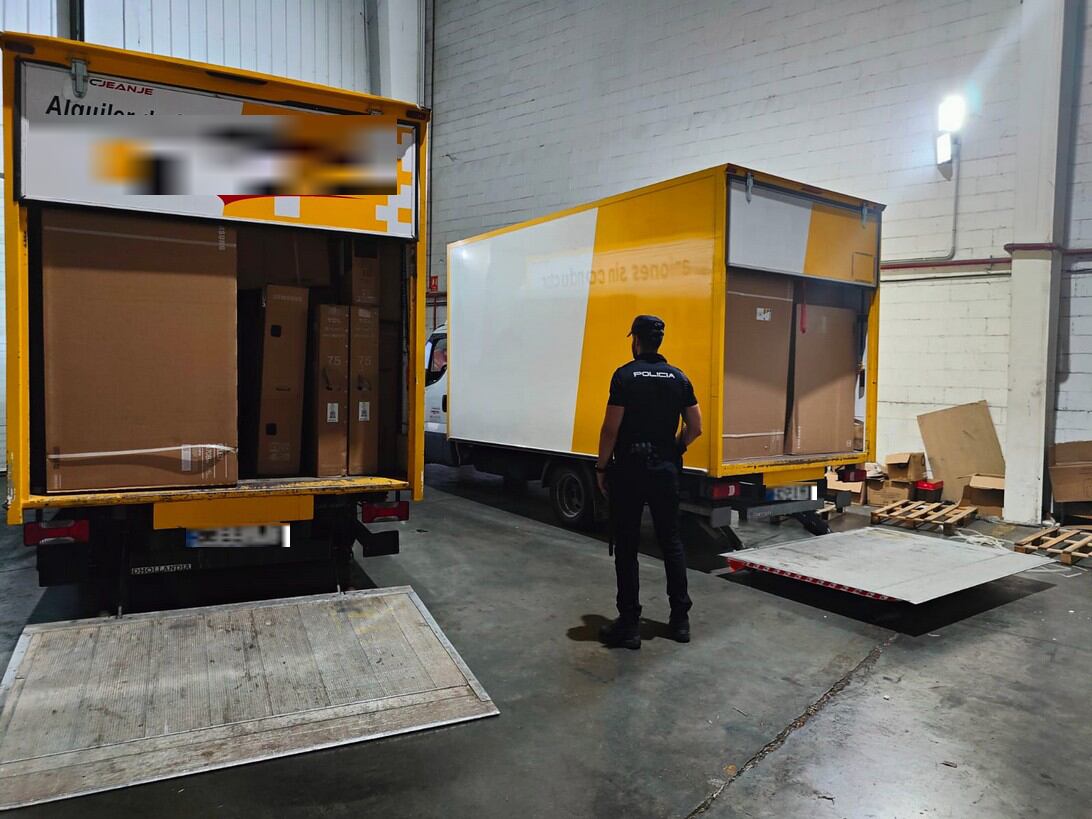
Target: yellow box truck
{"points": [[134, 185], [769, 290]]}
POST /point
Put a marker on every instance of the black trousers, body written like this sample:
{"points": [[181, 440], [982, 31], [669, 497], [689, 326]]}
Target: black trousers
{"points": [[633, 483]]}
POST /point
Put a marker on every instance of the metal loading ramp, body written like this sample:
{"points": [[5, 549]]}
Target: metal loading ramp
{"points": [[91, 705], [885, 563]]}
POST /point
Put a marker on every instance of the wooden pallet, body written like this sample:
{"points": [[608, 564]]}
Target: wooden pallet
{"points": [[828, 510], [915, 514], [1068, 545]]}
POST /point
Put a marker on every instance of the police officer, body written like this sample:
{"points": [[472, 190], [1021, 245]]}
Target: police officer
{"points": [[640, 458]]}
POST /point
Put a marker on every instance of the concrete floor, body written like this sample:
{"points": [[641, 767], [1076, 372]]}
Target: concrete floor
{"points": [[791, 701]]}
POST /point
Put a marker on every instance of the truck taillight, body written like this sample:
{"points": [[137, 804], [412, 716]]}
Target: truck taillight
{"points": [[56, 531], [722, 490], [852, 474], [378, 512]]}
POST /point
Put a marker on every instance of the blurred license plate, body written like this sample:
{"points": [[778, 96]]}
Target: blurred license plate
{"points": [[796, 492], [238, 536]]}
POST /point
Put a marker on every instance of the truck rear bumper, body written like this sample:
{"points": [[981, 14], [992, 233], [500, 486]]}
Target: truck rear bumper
{"points": [[261, 487]]}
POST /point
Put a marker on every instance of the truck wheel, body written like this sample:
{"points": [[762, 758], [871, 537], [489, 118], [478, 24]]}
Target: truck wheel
{"points": [[572, 493]]}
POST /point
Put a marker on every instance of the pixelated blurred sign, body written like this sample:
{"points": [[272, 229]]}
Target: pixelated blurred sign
{"points": [[163, 149], [434, 284]]}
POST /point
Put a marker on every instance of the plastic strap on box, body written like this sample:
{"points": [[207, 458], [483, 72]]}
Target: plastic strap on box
{"points": [[72, 456]]}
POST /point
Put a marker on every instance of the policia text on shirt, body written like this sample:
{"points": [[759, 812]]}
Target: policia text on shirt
{"points": [[640, 458]]}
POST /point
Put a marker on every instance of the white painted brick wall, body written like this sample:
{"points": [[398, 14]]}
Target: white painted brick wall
{"points": [[942, 342], [542, 105], [1073, 413], [1073, 397]]}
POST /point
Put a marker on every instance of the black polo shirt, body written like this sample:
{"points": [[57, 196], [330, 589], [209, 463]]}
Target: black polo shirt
{"points": [[654, 395]]}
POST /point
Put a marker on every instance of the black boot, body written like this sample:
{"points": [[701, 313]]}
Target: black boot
{"points": [[680, 629], [622, 633]]}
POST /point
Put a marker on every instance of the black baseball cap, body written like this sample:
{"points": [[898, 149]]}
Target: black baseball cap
{"points": [[647, 327]]}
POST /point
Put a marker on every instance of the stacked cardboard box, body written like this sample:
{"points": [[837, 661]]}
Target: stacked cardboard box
{"points": [[790, 370], [313, 413], [144, 325], [895, 480]]}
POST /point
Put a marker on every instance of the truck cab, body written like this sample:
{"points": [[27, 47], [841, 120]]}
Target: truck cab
{"points": [[437, 448]]}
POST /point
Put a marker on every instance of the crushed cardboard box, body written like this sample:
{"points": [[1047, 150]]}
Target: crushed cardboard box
{"points": [[987, 492]]}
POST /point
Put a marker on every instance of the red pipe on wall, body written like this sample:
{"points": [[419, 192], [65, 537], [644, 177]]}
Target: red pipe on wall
{"points": [[990, 261], [987, 262]]}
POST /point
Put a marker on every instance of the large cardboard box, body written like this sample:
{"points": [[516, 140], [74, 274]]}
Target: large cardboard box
{"points": [[1071, 471], [361, 272], [272, 364], [825, 367], [291, 256], [330, 391], [363, 390], [882, 491], [905, 466], [987, 492], [757, 338], [961, 441], [138, 329], [360, 284]]}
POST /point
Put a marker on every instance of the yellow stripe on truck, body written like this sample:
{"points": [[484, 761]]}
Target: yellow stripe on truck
{"points": [[653, 253]]}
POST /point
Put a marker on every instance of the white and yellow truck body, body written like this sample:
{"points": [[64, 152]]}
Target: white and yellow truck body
{"points": [[538, 315]]}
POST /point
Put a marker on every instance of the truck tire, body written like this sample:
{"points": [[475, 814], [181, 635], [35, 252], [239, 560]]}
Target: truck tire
{"points": [[572, 494]]}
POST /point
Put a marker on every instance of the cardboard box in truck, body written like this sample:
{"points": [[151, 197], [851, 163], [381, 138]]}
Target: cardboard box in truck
{"points": [[139, 353], [363, 390], [825, 370], [360, 275], [757, 337], [283, 256], [272, 366], [330, 391]]}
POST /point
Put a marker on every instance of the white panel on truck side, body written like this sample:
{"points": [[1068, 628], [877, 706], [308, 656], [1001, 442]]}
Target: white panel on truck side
{"points": [[517, 307]]}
